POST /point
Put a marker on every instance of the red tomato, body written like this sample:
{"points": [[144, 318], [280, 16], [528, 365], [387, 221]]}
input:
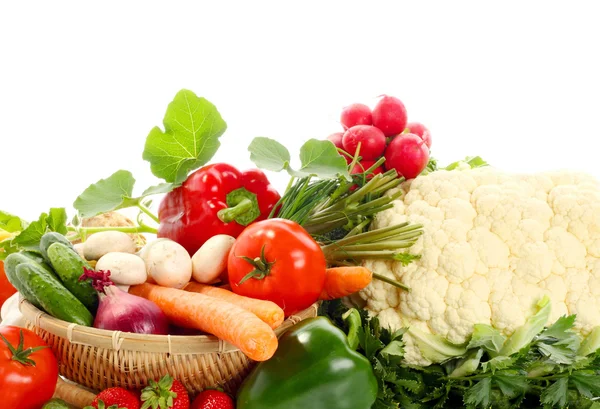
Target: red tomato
{"points": [[6, 288], [277, 260], [29, 381]]}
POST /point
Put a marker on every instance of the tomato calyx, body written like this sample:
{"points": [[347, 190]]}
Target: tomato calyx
{"points": [[19, 354], [262, 267], [243, 207]]}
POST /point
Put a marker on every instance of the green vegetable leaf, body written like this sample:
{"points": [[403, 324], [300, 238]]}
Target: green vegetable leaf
{"points": [[467, 365], [556, 394], [591, 343], [560, 329], [588, 384], [106, 195], [33, 233], [158, 189], [511, 383], [523, 336], [11, 223], [488, 338], [479, 395], [193, 127], [406, 258], [497, 363], [435, 347], [558, 342], [369, 343], [321, 159], [57, 220], [393, 352], [317, 158], [269, 154], [472, 161]]}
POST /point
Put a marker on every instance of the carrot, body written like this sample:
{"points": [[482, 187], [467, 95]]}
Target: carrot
{"points": [[343, 281], [226, 321], [267, 311]]}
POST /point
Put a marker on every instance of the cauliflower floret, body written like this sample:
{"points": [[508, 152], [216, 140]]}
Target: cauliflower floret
{"points": [[494, 243]]}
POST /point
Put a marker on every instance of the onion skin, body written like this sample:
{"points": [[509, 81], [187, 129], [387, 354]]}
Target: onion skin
{"points": [[121, 311]]}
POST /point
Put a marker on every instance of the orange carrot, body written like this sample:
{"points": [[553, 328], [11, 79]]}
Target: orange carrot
{"points": [[215, 316], [267, 311], [343, 281]]}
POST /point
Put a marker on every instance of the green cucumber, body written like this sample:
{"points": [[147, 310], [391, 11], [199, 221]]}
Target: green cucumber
{"points": [[10, 267], [49, 239], [54, 298], [69, 266], [56, 404]]}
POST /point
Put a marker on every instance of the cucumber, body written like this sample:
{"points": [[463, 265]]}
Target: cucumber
{"points": [[10, 267], [49, 239], [69, 266], [54, 298], [56, 404]]}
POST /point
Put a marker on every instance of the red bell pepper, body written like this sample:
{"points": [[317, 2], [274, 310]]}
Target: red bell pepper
{"points": [[215, 199]]}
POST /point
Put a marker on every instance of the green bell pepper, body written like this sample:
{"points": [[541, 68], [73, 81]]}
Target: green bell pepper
{"points": [[314, 367]]}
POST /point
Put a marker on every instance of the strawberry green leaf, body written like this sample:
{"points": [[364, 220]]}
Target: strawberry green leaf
{"points": [[108, 194], [269, 154], [192, 127]]}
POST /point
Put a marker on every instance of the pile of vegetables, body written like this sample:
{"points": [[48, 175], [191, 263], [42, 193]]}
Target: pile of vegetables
{"points": [[234, 257]]}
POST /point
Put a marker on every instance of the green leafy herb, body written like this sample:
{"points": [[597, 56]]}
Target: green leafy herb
{"points": [[108, 194], [190, 139], [317, 158], [526, 379], [11, 223], [269, 154], [472, 161]]}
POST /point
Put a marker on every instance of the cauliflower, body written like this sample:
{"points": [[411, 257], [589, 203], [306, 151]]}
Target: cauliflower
{"points": [[494, 244]]}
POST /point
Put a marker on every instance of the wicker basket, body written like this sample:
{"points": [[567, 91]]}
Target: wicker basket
{"points": [[99, 359]]}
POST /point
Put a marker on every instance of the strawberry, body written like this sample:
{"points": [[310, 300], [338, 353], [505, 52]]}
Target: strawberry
{"points": [[213, 399], [167, 393], [115, 398]]}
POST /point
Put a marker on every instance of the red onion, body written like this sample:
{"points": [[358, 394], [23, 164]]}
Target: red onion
{"points": [[121, 311]]}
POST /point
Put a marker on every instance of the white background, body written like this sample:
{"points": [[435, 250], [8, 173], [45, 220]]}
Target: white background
{"points": [[82, 82]]}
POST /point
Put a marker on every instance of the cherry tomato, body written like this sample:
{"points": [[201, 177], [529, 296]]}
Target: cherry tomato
{"points": [[28, 376], [277, 260]]}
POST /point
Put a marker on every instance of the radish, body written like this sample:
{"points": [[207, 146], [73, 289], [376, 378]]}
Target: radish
{"points": [[390, 116], [356, 114], [419, 129], [408, 154], [336, 138], [371, 139]]}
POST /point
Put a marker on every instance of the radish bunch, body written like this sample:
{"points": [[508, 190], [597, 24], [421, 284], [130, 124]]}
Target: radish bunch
{"points": [[384, 131]]}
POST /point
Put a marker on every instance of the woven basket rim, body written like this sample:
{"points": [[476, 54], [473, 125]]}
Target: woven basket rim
{"points": [[127, 341]]}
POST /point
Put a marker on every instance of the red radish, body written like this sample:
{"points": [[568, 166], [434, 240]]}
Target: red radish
{"points": [[356, 114], [419, 129], [371, 139], [408, 154], [336, 138], [363, 166], [390, 116]]}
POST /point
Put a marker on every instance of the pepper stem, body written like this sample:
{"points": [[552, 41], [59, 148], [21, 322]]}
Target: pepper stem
{"points": [[19, 354], [243, 207], [229, 214]]}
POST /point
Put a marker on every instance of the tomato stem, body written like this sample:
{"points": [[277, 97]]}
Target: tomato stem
{"points": [[262, 267], [19, 354]]}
